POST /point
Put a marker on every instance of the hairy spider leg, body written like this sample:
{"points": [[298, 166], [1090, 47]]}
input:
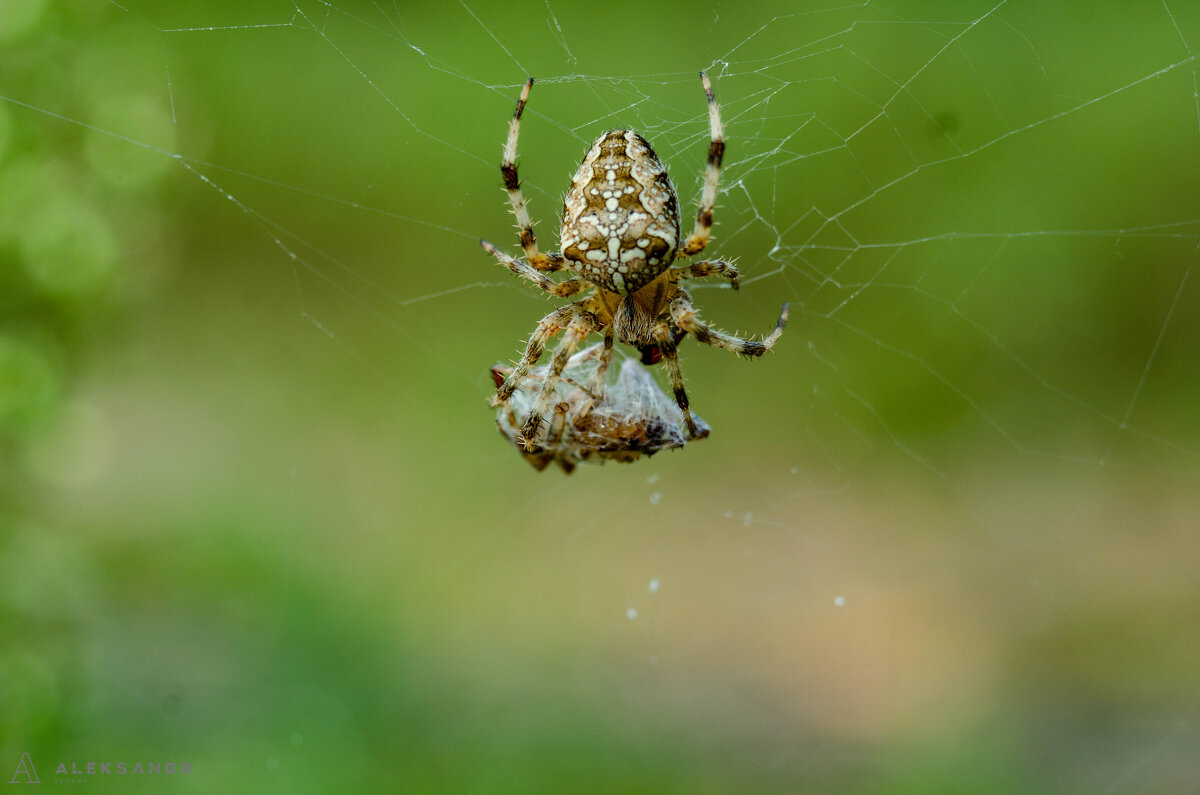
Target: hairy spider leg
{"points": [[581, 325], [547, 327], [712, 176], [708, 267], [665, 341], [597, 385], [562, 289], [520, 205], [684, 315]]}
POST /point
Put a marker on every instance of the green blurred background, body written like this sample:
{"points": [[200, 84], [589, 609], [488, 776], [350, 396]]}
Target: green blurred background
{"points": [[255, 515]]}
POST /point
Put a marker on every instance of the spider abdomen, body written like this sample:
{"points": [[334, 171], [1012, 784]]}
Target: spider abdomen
{"points": [[620, 226]]}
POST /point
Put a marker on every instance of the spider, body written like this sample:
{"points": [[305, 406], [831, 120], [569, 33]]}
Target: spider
{"points": [[620, 236]]}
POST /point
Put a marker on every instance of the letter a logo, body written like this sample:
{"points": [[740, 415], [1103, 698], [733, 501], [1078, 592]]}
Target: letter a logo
{"points": [[25, 768]]}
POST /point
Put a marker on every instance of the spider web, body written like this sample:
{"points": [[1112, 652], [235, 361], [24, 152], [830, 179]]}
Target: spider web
{"points": [[950, 502]]}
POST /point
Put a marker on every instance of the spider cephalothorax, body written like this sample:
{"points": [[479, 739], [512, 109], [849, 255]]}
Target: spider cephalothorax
{"points": [[620, 235]]}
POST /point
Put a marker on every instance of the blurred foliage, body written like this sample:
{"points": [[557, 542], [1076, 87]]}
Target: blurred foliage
{"points": [[254, 515]]}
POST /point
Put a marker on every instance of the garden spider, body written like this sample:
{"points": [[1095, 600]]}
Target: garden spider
{"points": [[620, 235]]}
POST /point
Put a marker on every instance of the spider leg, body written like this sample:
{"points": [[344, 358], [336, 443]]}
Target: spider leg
{"points": [[595, 389], [499, 375], [558, 422], [684, 315], [712, 177], [520, 206], [522, 269], [550, 325], [666, 344], [580, 326], [597, 385], [708, 267]]}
